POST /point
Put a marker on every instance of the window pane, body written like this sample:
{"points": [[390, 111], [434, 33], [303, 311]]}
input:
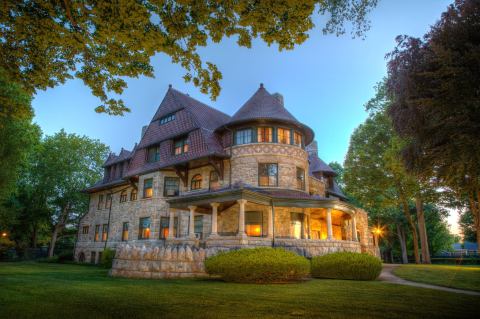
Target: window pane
{"points": [[148, 188], [144, 228], [171, 186], [254, 224], [300, 178], [244, 136], [268, 174]]}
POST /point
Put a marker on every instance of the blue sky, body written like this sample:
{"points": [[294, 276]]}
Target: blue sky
{"points": [[325, 82]]}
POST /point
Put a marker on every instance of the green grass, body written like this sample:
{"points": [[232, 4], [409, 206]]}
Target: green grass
{"points": [[34, 290], [461, 277]]}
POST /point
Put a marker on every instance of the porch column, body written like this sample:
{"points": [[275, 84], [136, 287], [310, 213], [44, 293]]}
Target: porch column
{"points": [[191, 226], [270, 223], [241, 217], [309, 225], [171, 225], [329, 224], [214, 219], [354, 229]]}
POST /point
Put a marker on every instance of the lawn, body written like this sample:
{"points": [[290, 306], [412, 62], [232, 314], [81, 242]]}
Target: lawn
{"points": [[32, 290], [461, 277]]}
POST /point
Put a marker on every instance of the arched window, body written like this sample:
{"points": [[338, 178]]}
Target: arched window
{"points": [[196, 182], [81, 257], [214, 181]]}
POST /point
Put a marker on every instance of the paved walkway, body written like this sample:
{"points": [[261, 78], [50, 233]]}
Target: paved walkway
{"points": [[388, 276]]}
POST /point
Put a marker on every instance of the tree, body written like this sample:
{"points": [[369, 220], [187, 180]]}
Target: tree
{"points": [[338, 168], [434, 83], [66, 164], [467, 226], [44, 43]]}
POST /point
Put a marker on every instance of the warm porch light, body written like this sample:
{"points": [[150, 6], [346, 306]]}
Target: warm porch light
{"points": [[254, 230], [4, 234]]}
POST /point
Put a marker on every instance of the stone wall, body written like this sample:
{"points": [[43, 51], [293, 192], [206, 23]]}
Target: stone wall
{"points": [[310, 248], [316, 186], [245, 160]]}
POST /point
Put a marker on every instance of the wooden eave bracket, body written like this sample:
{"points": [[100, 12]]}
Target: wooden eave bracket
{"points": [[182, 173]]}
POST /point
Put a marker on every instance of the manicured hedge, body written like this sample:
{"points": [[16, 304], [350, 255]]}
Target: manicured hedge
{"points": [[258, 265], [346, 265]]}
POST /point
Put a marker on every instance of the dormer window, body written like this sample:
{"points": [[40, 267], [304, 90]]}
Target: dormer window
{"points": [[243, 136], [180, 146], [196, 182], [167, 118], [153, 154]]}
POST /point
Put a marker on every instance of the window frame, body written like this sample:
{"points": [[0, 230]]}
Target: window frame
{"points": [[171, 178], [183, 147], [300, 180], [261, 132], [96, 237], [248, 223], [147, 188], [195, 181], [123, 196], [104, 232], [85, 229], [166, 227], [243, 141], [268, 176], [134, 194], [300, 136], [167, 118], [125, 231], [141, 228], [156, 156], [108, 201], [210, 179], [284, 130], [100, 202]]}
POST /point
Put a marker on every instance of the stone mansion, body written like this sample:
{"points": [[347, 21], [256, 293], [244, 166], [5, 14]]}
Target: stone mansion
{"points": [[202, 180]]}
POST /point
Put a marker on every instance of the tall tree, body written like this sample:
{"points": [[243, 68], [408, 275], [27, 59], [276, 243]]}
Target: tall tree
{"points": [[44, 43], [435, 86], [66, 164]]}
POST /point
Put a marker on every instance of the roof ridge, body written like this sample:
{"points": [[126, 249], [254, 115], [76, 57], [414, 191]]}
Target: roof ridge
{"points": [[192, 98]]}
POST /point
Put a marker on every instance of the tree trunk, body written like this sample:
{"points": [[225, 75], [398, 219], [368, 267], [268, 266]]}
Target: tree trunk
{"points": [[475, 210], [403, 244], [58, 228], [413, 228], [422, 229]]}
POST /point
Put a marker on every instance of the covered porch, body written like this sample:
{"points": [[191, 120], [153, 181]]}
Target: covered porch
{"points": [[246, 218]]}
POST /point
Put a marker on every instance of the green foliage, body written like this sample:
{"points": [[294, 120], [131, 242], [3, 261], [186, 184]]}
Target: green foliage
{"points": [[44, 43], [346, 265], [338, 168], [258, 265], [467, 226], [107, 258]]}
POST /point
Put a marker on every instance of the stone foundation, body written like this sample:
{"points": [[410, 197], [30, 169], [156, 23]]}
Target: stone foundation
{"points": [[311, 247]]}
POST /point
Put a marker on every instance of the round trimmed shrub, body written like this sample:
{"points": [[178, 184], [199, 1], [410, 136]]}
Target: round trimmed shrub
{"points": [[346, 265], [258, 265]]}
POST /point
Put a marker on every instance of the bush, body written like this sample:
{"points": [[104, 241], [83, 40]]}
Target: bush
{"points": [[346, 265], [107, 258], [258, 265], [65, 256]]}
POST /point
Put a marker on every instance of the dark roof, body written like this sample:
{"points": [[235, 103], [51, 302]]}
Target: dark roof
{"points": [[335, 190], [102, 185], [123, 156], [265, 106], [317, 165], [192, 118]]}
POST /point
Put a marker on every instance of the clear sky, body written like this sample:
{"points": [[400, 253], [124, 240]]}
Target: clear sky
{"points": [[325, 81]]}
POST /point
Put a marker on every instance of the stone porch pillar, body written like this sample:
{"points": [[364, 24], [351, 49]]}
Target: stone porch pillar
{"points": [[270, 223], [191, 226], [214, 232], [354, 229], [329, 224], [171, 224], [241, 218]]}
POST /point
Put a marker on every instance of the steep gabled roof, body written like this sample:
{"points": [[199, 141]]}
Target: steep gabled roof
{"points": [[192, 117], [265, 106], [318, 165], [113, 158]]}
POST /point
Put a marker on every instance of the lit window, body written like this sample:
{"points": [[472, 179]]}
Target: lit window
{"points": [[300, 178], [164, 227], [254, 224], [153, 154], [171, 186], [267, 174], [148, 188], [167, 118], [243, 136], [97, 233], [296, 225], [213, 182], [283, 136], [123, 196], [104, 232], [100, 202], [125, 231], [264, 135], [181, 146], [85, 230], [133, 194], [196, 182], [297, 138], [144, 228], [108, 201]]}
